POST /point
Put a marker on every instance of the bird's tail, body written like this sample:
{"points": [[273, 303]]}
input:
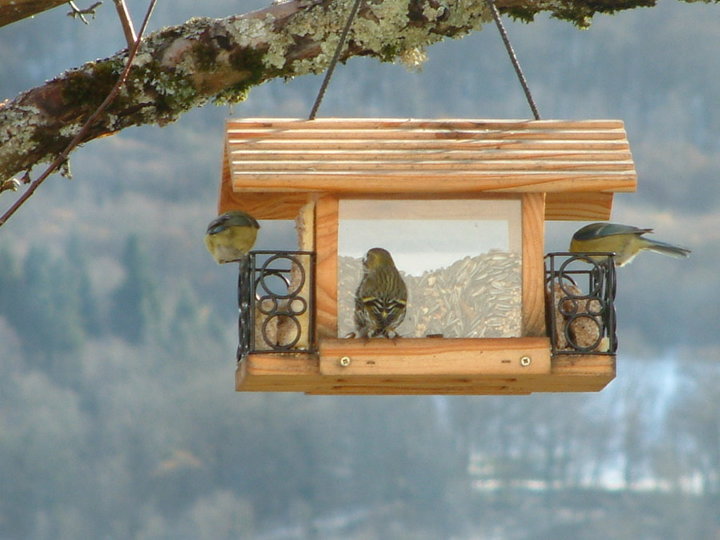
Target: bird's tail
{"points": [[667, 249]]}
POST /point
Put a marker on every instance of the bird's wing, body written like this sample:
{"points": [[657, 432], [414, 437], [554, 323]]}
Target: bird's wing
{"points": [[600, 230], [218, 224]]}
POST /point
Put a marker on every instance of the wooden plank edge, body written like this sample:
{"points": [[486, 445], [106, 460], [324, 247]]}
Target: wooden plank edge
{"points": [[422, 357], [300, 373], [233, 124]]}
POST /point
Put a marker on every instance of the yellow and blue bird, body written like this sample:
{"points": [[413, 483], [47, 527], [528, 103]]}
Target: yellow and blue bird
{"points": [[625, 241], [231, 235], [381, 297]]}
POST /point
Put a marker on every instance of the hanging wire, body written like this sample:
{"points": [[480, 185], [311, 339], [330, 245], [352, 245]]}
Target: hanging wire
{"points": [[513, 58], [498, 23], [333, 62]]}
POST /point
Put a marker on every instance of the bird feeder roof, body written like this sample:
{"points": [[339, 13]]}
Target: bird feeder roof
{"points": [[272, 166]]}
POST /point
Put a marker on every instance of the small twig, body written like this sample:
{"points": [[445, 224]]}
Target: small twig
{"points": [[126, 21], [63, 156], [77, 12]]}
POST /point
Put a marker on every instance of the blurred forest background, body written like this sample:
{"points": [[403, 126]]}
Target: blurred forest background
{"points": [[118, 416]]}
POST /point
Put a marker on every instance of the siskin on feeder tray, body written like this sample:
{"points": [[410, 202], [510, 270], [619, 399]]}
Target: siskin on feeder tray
{"points": [[381, 297]]}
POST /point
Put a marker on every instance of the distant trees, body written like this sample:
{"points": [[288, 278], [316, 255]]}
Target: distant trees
{"points": [[88, 304], [49, 300], [135, 310], [694, 423], [9, 279], [41, 300], [149, 440], [142, 402]]}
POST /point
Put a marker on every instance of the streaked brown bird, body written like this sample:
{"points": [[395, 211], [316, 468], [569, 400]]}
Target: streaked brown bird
{"points": [[381, 297], [231, 235]]}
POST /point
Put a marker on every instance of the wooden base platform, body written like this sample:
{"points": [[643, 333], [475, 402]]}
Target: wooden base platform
{"points": [[426, 366]]}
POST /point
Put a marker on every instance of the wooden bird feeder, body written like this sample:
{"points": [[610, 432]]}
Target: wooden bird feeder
{"points": [[461, 205]]}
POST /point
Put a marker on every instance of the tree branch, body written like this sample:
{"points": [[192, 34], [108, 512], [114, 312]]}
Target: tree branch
{"points": [[183, 67], [63, 156]]}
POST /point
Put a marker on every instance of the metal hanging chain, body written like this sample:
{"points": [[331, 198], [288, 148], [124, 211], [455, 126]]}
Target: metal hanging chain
{"points": [[333, 62], [513, 58]]}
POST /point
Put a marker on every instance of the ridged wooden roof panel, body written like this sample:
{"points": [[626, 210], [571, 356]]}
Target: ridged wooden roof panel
{"points": [[364, 156], [347, 155]]}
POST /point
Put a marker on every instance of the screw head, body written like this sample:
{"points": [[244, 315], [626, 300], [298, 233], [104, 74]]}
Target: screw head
{"points": [[525, 361], [345, 361]]}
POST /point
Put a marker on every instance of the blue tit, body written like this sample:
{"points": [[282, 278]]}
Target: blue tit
{"points": [[625, 241], [231, 235], [381, 297]]}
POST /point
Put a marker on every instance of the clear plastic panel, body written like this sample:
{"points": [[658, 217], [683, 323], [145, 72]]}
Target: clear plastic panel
{"points": [[460, 259]]}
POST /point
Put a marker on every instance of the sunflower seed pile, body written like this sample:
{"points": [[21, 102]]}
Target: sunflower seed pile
{"points": [[474, 297]]}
